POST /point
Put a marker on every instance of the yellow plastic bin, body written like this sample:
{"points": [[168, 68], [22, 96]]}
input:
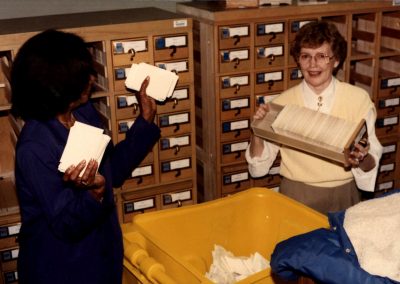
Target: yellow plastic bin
{"points": [[175, 245]]}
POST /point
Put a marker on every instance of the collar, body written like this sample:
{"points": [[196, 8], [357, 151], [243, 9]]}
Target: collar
{"points": [[311, 98]]}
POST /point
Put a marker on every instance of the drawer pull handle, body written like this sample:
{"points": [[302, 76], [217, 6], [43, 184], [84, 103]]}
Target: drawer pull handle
{"points": [[270, 84], [177, 149], [237, 134], [237, 88], [238, 155], [271, 58], [176, 101], [177, 128], [237, 39], [174, 71], [238, 111], [391, 109], [178, 173], [179, 203], [140, 180], [133, 53], [237, 185], [237, 61], [394, 90], [390, 128], [173, 47], [272, 37]]}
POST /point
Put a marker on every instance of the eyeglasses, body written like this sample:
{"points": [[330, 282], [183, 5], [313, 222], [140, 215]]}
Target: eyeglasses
{"points": [[320, 58]]}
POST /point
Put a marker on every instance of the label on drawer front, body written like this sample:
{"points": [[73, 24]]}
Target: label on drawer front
{"points": [[386, 168], [266, 99], [389, 149], [298, 24], [235, 125], [234, 81], [236, 177], [125, 101], [8, 231], [167, 120], [296, 74], [235, 147], [387, 121], [386, 185], [124, 126], [237, 54], [167, 143], [181, 66], [175, 165], [270, 76], [130, 207], [180, 94], [142, 171], [235, 104], [266, 51], [175, 41], [10, 277], [264, 29], [128, 46], [174, 197], [389, 102], [8, 255], [236, 31]]}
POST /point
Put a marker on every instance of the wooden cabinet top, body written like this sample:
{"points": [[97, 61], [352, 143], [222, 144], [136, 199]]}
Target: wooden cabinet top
{"points": [[217, 11], [87, 19]]}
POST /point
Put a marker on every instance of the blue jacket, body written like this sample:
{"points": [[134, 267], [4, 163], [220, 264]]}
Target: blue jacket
{"points": [[325, 255], [66, 235]]}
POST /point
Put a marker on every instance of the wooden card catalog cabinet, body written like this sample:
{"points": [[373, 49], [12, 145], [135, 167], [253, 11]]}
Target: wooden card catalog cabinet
{"points": [[243, 55]]}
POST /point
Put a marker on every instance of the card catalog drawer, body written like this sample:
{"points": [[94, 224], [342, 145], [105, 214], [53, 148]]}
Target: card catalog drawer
{"points": [[269, 56], [123, 127], [270, 33], [9, 235], [143, 175], [234, 60], [126, 106], [235, 130], [177, 198], [233, 152], [128, 51], [389, 86], [235, 108], [269, 81], [174, 123], [235, 179], [272, 179], [180, 100], [386, 172], [389, 151], [176, 169], [264, 99], [9, 259], [175, 146], [181, 68], [171, 47], [234, 36], [387, 125], [137, 206], [237, 85]]}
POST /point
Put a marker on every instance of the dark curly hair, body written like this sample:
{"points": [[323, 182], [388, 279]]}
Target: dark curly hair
{"points": [[316, 33], [50, 71]]}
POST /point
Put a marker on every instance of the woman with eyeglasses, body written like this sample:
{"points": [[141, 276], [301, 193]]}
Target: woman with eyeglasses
{"points": [[320, 51]]}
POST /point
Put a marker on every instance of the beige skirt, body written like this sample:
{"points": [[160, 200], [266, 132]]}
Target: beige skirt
{"points": [[322, 199]]}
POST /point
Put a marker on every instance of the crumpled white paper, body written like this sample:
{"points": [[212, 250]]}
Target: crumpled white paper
{"points": [[228, 269]]}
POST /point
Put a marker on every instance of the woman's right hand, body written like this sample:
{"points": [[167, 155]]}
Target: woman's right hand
{"points": [[147, 105]]}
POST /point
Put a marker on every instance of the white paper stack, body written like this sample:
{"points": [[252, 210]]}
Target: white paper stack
{"points": [[228, 269], [162, 82], [84, 142]]}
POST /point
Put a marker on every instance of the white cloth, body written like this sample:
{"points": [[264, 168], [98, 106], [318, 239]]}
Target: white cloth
{"points": [[228, 269], [373, 227]]}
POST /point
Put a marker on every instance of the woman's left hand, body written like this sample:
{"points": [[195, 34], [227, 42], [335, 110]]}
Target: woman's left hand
{"points": [[360, 158]]}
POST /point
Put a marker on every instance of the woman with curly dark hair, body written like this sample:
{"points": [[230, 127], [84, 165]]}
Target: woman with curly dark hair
{"points": [[70, 231], [320, 51]]}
